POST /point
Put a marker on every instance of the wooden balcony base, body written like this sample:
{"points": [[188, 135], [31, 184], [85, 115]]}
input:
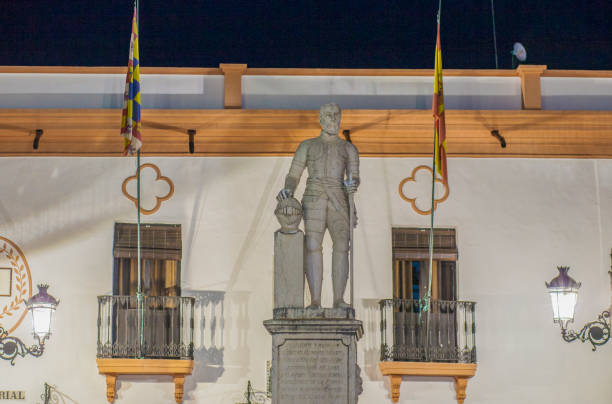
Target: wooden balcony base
{"points": [[177, 368], [461, 372]]}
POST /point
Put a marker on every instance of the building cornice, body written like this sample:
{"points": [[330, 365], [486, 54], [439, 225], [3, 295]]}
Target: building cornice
{"points": [[376, 133]]}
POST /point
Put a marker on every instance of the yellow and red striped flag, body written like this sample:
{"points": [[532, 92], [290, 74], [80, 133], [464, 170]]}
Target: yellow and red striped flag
{"points": [[438, 113], [130, 117]]}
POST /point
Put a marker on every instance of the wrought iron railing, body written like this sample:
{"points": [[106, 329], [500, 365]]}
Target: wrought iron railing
{"points": [[444, 333], [167, 330]]}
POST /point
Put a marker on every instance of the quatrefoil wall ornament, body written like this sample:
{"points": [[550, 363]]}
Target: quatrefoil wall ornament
{"points": [[412, 201], [158, 199]]}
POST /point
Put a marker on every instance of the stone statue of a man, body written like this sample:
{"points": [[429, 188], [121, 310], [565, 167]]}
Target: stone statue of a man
{"points": [[333, 172]]}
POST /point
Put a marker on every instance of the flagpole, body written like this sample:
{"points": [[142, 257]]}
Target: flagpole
{"points": [[426, 306], [139, 296]]}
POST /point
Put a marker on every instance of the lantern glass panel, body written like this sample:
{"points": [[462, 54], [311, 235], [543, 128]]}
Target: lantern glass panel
{"points": [[563, 303], [42, 318]]}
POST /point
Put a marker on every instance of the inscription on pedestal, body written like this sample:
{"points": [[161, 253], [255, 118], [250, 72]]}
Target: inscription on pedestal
{"points": [[313, 372]]}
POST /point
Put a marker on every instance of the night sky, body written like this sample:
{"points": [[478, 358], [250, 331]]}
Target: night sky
{"points": [[331, 34]]}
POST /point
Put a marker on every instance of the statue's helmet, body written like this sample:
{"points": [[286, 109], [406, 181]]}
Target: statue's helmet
{"points": [[289, 214]]}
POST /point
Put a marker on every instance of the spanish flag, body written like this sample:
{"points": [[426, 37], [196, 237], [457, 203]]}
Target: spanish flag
{"points": [[130, 118], [438, 113]]}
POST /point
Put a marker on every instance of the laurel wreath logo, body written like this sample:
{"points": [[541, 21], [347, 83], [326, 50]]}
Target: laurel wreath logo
{"points": [[20, 282], [15, 311]]}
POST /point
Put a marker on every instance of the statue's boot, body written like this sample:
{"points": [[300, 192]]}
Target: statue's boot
{"points": [[313, 263], [340, 272]]}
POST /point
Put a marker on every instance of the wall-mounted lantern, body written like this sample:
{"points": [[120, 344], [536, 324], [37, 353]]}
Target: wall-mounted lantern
{"points": [[41, 307], [563, 291]]}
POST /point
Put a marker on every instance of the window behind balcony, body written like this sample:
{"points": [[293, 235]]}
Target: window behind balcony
{"points": [[410, 281], [411, 262], [160, 254], [160, 259]]}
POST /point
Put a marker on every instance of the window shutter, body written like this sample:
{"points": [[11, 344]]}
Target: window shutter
{"points": [[157, 241], [413, 244]]}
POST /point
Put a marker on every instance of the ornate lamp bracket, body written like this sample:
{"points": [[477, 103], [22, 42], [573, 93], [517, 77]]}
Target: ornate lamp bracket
{"points": [[597, 332], [11, 347]]}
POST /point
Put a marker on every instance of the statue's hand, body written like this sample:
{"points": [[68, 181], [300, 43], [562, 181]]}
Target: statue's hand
{"points": [[351, 185], [284, 194]]}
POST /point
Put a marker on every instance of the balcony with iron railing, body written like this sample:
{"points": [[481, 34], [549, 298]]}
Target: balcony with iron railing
{"points": [[151, 335], [444, 333], [437, 339], [167, 327]]}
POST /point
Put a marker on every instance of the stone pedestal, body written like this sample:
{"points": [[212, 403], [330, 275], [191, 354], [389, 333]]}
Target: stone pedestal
{"points": [[288, 269], [314, 358]]}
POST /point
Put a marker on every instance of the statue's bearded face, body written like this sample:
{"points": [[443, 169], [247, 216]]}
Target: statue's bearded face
{"points": [[329, 117]]}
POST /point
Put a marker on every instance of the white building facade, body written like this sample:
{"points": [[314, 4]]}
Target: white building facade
{"points": [[516, 217]]}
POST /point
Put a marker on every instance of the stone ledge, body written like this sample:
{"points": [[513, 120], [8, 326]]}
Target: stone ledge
{"points": [[299, 313], [315, 325]]}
